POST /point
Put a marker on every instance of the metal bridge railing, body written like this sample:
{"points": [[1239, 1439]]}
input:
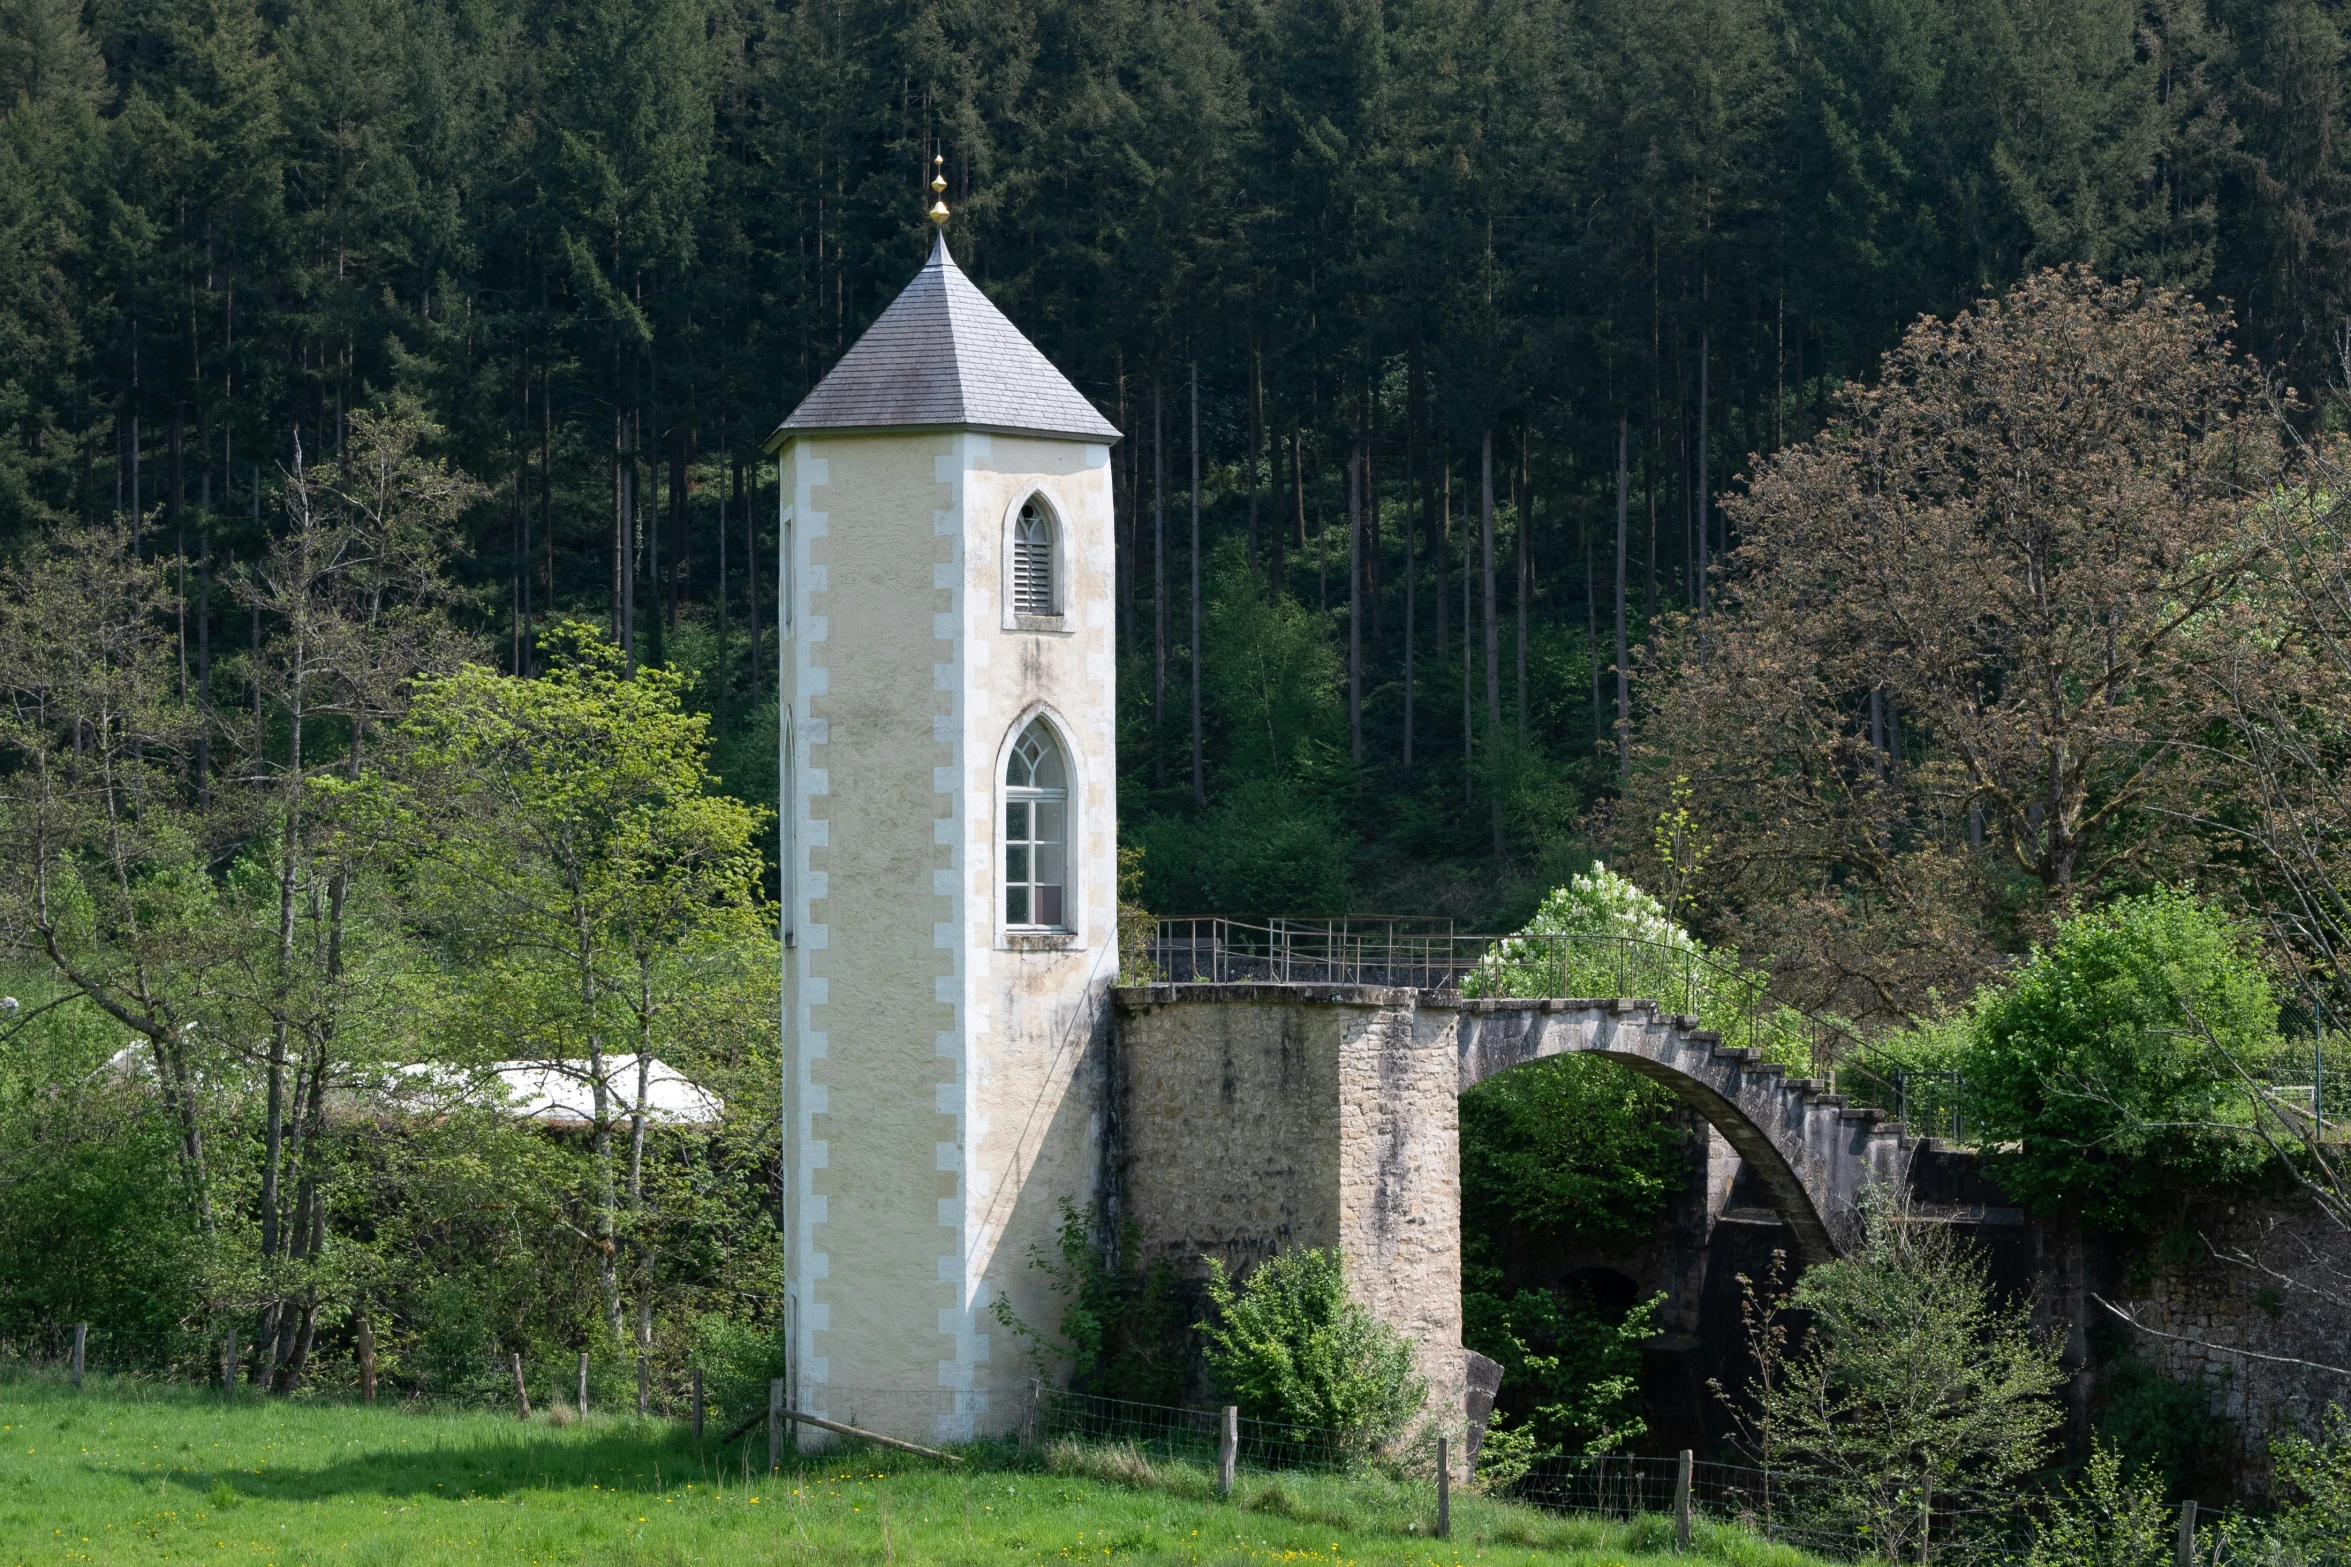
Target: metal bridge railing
{"points": [[2310, 1078], [1430, 955]]}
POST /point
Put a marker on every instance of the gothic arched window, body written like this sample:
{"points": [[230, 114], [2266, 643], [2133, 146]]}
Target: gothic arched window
{"points": [[1036, 830], [1032, 561]]}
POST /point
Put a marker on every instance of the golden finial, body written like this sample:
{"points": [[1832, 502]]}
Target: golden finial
{"points": [[939, 188]]}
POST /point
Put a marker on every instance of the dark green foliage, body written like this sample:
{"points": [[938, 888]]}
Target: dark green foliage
{"points": [[1570, 1366], [1289, 1344], [2164, 1428], [1266, 848], [740, 1360], [629, 234], [2106, 1060], [1574, 1149], [1575, 1153], [85, 1153], [1121, 1332]]}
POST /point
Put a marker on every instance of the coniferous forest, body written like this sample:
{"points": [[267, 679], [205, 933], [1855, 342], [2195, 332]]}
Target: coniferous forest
{"points": [[1874, 471], [1412, 269]]}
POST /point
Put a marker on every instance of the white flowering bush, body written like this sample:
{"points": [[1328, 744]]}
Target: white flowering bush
{"points": [[1604, 936]]}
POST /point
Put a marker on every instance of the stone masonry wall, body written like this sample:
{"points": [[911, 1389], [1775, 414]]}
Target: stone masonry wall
{"points": [[1253, 1119], [2208, 1307]]}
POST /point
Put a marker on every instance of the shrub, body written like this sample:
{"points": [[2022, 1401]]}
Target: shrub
{"points": [[1290, 1344], [1570, 1366], [1267, 847], [2098, 1060], [739, 1360], [2314, 1473], [1913, 1381], [2115, 1518], [1121, 1331], [2162, 1427]]}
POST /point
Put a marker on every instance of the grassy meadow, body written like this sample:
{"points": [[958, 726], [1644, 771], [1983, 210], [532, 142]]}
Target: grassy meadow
{"points": [[122, 1473]]}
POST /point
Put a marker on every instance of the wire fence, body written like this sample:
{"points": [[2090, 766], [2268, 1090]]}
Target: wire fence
{"points": [[436, 1375], [1164, 1432], [1852, 1519], [1845, 1518]]}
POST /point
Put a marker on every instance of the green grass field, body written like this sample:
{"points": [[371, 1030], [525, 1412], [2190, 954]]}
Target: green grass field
{"points": [[128, 1474]]}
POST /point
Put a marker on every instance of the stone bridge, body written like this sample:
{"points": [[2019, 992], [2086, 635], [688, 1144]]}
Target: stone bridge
{"points": [[1246, 1119], [1813, 1153]]}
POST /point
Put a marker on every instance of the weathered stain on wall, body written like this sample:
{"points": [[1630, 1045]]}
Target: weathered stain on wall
{"points": [[1258, 1118]]}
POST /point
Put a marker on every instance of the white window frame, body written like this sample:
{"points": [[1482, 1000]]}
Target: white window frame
{"points": [[1057, 518], [1070, 932]]}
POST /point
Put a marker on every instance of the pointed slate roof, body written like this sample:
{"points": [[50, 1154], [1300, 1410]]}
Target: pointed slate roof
{"points": [[943, 356]]}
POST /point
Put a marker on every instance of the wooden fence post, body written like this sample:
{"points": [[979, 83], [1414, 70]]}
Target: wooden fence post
{"points": [[1681, 1502], [522, 1394], [228, 1365], [367, 1358], [81, 1339], [775, 1425], [2186, 1550], [1444, 1492], [1028, 1416], [698, 1406], [1228, 1448], [644, 1372], [583, 1384]]}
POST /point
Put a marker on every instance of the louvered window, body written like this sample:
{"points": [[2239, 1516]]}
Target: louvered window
{"points": [[1032, 562]]}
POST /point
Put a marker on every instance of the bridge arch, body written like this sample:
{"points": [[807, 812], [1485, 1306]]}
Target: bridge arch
{"points": [[1813, 1153]]}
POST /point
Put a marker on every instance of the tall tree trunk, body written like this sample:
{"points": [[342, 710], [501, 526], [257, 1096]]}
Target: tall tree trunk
{"points": [[1199, 766], [751, 573], [620, 549], [1493, 627], [1411, 574], [1523, 537], [1158, 564], [1649, 489], [725, 510], [636, 1177], [547, 486], [1624, 689], [1124, 534], [1705, 486], [632, 433], [656, 633], [1371, 512], [1468, 664], [138, 520], [522, 532], [606, 1238], [1355, 604], [204, 654], [681, 545], [1256, 440]]}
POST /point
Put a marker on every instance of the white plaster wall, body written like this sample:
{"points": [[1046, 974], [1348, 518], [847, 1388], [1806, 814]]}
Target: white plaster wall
{"points": [[944, 1080]]}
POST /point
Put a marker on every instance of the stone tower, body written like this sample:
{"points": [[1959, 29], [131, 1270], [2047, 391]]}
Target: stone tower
{"points": [[949, 827]]}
